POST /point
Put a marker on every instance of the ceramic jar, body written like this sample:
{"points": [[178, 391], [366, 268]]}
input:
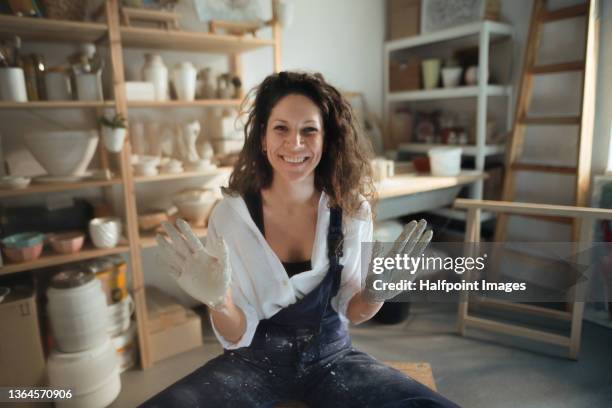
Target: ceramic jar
{"points": [[155, 71], [113, 138], [12, 85], [184, 79]]}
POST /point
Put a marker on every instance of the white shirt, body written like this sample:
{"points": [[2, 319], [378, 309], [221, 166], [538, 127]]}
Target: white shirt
{"points": [[260, 285]]}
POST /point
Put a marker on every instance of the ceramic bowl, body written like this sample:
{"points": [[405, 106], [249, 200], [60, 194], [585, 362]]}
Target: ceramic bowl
{"points": [[151, 220], [195, 205], [14, 182], [24, 254], [23, 240], [67, 242], [105, 232], [63, 153]]}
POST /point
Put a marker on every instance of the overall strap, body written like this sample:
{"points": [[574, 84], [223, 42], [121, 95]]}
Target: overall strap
{"points": [[335, 241]]}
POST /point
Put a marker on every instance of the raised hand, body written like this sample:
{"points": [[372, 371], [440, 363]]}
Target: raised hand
{"points": [[203, 272], [412, 241]]}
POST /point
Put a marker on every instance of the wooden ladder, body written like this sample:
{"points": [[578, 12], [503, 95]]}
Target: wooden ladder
{"points": [[540, 16]]}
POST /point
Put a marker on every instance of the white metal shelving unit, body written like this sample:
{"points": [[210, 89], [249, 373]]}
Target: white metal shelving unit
{"points": [[481, 34]]}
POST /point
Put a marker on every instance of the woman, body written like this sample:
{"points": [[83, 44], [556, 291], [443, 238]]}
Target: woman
{"points": [[281, 271]]}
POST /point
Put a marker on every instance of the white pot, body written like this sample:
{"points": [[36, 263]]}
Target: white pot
{"points": [[105, 232], [63, 153], [155, 71], [92, 376], [12, 85], [445, 161], [184, 78], [113, 138], [451, 77]]}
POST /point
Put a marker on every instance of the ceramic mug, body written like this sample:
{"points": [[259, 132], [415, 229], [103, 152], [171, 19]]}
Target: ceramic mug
{"points": [[105, 232]]}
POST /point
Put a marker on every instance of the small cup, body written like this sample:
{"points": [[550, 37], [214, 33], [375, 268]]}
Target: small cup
{"points": [[12, 85], [105, 232]]}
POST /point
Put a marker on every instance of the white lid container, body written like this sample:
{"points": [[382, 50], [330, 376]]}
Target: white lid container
{"points": [[445, 161]]}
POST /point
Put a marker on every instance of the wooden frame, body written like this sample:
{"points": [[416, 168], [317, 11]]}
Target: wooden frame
{"points": [[584, 217]]}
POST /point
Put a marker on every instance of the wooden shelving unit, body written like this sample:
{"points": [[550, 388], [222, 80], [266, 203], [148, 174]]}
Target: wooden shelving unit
{"points": [[134, 37], [57, 187], [200, 103], [183, 175], [53, 259], [116, 38], [48, 30], [56, 104]]}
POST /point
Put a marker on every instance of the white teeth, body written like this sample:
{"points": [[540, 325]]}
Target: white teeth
{"points": [[294, 159]]}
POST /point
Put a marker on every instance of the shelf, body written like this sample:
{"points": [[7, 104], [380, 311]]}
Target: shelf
{"points": [[203, 103], [50, 188], [56, 104], [460, 215], [186, 174], [134, 37], [147, 239], [447, 93], [497, 30], [52, 259], [470, 150], [48, 30]]}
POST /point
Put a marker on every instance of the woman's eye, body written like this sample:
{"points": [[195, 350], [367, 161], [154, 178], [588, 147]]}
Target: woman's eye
{"points": [[310, 130], [280, 128]]}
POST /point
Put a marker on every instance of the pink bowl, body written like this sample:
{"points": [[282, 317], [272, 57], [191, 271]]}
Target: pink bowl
{"points": [[67, 242], [23, 254]]}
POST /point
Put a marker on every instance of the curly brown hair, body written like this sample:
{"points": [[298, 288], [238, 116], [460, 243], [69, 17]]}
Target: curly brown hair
{"points": [[344, 172]]}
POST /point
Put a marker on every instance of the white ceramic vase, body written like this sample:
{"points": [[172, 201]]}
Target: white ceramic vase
{"points": [[184, 79], [155, 71], [113, 138]]}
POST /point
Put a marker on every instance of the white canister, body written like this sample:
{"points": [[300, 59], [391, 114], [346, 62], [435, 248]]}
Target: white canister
{"points": [[77, 310], [12, 85], [382, 169], [57, 85], [155, 71], [184, 78], [445, 161], [89, 87], [105, 232]]}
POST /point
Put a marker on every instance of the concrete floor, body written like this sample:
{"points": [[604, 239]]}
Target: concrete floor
{"points": [[481, 370]]}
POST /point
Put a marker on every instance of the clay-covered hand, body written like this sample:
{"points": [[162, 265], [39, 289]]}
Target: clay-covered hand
{"points": [[412, 241], [203, 272]]}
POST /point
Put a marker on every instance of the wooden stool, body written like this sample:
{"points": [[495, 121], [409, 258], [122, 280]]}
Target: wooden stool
{"points": [[420, 372]]}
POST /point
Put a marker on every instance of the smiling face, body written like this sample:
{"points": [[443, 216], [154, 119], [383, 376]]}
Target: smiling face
{"points": [[293, 140]]}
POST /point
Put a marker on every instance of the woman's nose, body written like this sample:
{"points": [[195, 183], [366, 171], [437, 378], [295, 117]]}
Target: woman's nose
{"points": [[295, 139]]}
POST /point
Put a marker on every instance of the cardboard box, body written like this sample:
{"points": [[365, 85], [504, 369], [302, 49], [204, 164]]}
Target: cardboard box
{"points": [[163, 310], [403, 18], [405, 75], [176, 339], [22, 361]]}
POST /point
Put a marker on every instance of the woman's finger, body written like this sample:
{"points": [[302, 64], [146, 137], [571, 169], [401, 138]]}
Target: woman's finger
{"points": [[178, 242], [422, 244], [404, 236], [412, 240], [168, 251], [193, 242]]}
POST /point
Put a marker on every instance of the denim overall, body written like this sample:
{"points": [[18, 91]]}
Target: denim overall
{"points": [[302, 353]]}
